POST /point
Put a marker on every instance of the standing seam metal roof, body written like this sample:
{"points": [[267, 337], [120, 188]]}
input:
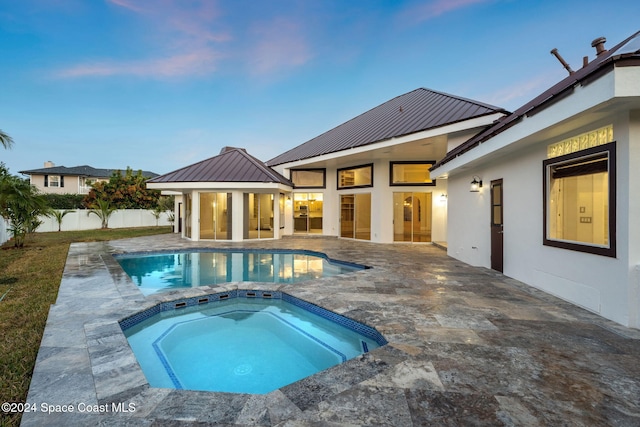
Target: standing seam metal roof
{"points": [[415, 111], [628, 51], [231, 165]]}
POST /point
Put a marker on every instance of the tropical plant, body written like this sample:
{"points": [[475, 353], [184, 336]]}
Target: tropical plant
{"points": [[58, 215], [103, 210], [128, 191], [20, 205], [5, 140], [165, 204]]}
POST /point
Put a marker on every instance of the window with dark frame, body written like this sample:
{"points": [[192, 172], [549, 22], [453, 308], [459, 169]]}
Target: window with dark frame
{"points": [[411, 173], [579, 200], [355, 177], [309, 178]]}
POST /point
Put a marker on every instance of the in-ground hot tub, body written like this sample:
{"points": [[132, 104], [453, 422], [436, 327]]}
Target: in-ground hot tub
{"points": [[242, 341]]}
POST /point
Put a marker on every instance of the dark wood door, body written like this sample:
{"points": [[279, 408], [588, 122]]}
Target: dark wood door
{"points": [[497, 249]]}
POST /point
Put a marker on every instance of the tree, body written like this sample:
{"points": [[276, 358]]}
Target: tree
{"points": [[5, 140], [103, 210], [58, 215], [20, 205], [128, 191]]}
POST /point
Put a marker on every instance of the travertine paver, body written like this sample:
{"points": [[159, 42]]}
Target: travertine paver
{"points": [[467, 346]]}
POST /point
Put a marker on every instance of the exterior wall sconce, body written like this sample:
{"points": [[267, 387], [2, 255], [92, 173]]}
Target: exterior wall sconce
{"points": [[443, 198], [476, 184]]}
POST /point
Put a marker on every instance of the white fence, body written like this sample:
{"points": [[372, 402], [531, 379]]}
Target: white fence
{"points": [[124, 218]]}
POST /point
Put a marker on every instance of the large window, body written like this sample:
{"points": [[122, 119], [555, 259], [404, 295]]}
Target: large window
{"points": [[359, 176], [309, 178], [579, 200], [410, 173]]}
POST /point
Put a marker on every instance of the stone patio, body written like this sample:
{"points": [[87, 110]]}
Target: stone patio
{"points": [[467, 346]]}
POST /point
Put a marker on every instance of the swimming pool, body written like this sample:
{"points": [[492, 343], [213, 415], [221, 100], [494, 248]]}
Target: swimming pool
{"points": [[242, 341], [159, 272]]}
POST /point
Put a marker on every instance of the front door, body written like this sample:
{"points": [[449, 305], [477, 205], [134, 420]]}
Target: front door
{"points": [[497, 253]]}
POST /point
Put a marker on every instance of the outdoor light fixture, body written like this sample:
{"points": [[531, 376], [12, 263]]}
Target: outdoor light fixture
{"points": [[476, 184], [443, 198]]}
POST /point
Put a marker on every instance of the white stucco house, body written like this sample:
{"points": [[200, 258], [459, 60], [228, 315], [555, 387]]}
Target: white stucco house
{"points": [[559, 206], [548, 194], [366, 179]]}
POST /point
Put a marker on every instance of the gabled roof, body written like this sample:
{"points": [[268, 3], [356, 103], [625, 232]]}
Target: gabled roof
{"points": [[231, 165], [416, 111], [625, 53], [85, 171]]}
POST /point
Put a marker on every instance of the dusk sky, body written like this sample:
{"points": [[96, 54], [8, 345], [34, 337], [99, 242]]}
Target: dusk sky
{"points": [[160, 84]]}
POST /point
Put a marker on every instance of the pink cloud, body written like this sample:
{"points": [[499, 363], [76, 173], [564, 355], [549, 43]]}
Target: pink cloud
{"points": [[185, 36], [192, 63], [432, 9], [279, 45]]}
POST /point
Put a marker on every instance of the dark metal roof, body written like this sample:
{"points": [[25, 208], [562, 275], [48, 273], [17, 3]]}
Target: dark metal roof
{"points": [[625, 53], [416, 111], [231, 165], [85, 171]]}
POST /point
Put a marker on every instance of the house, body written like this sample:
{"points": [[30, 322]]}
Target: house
{"points": [[555, 200], [73, 180], [366, 179], [548, 194]]}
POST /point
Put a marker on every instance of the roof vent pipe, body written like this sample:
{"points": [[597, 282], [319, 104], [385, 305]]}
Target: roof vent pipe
{"points": [[599, 45], [555, 53]]}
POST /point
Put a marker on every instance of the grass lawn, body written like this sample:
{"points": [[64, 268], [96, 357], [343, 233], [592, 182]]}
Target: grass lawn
{"points": [[29, 281]]}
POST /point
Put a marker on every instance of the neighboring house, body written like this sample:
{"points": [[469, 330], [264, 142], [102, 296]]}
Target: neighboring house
{"points": [[366, 179], [74, 180], [549, 194], [559, 207]]}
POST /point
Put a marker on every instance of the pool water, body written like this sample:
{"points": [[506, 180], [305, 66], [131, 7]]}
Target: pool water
{"points": [[241, 345], [165, 271]]}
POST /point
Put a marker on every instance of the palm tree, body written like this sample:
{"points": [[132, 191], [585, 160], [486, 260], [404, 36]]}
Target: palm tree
{"points": [[5, 140], [58, 215], [103, 210]]}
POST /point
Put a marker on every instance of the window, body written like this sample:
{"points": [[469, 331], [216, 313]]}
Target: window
{"points": [[309, 178], [359, 176], [579, 200], [53, 181], [410, 173]]}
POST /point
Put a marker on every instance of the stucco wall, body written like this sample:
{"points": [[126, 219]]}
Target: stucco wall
{"points": [[598, 283]]}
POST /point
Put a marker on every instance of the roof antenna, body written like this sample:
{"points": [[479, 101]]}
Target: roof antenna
{"points": [[555, 53]]}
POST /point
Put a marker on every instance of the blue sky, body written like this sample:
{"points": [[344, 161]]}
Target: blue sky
{"points": [[160, 84]]}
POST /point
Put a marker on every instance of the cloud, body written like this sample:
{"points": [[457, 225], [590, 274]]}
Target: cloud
{"points": [[432, 9], [279, 45], [191, 63], [516, 94], [185, 34]]}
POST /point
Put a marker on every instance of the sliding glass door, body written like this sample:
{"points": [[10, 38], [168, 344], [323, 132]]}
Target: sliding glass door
{"points": [[412, 217], [215, 216], [258, 216], [307, 213], [355, 216]]}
